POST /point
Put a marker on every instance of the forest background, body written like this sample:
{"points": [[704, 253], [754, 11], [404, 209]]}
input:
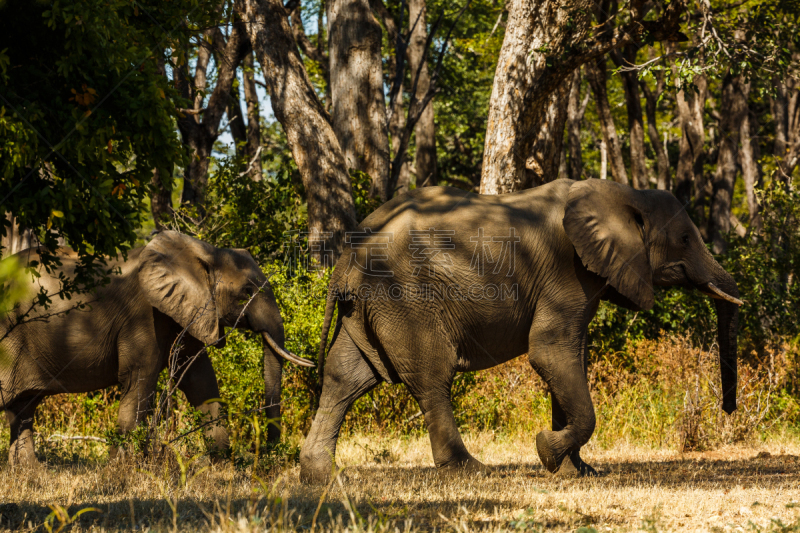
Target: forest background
{"points": [[277, 128]]}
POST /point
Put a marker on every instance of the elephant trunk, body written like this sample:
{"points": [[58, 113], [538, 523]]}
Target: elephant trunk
{"points": [[273, 373], [721, 286], [727, 330]]}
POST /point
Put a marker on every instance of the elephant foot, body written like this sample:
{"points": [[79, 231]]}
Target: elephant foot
{"points": [[562, 463], [574, 467], [468, 465], [317, 470], [549, 455]]}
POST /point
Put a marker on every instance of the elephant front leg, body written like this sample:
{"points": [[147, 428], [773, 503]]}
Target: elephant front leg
{"points": [[558, 357], [199, 384], [20, 414], [573, 465]]}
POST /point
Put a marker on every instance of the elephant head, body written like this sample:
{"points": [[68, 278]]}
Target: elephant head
{"points": [[637, 239], [204, 288]]}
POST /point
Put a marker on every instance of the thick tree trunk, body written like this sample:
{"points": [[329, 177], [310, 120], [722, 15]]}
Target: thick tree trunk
{"points": [[311, 137], [542, 165], [596, 73], [633, 100], [356, 74], [425, 129], [662, 159], [734, 103], [575, 112], [545, 41], [523, 85]]}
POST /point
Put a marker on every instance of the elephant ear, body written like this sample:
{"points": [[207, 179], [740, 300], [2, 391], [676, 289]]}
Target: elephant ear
{"points": [[608, 227], [177, 278]]}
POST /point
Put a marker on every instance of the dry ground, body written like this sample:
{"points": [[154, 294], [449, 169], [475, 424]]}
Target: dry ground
{"points": [[390, 484]]}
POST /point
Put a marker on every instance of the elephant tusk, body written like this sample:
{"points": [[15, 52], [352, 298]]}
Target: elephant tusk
{"points": [[285, 354], [717, 293]]}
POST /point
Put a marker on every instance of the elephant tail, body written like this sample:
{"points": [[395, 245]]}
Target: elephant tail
{"points": [[323, 341]]}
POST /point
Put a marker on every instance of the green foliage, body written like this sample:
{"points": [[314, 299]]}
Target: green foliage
{"points": [[265, 217], [765, 265], [86, 114]]}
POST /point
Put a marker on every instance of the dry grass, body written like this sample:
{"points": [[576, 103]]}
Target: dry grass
{"points": [[390, 484]]}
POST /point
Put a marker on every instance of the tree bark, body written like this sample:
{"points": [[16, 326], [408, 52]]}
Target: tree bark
{"points": [[253, 146], [356, 74], [161, 200], [545, 41], [785, 112], [751, 169], [542, 166], [200, 128], [315, 148], [575, 112], [734, 104], [16, 239], [237, 122], [630, 84], [425, 129], [596, 73], [689, 174], [662, 159]]}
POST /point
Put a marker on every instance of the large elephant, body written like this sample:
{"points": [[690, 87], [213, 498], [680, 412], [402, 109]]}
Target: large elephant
{"points": [[124, 331], [439, 281]]}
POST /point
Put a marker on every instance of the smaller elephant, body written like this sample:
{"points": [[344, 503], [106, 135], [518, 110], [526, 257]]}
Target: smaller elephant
{"points": [[124, 332]]}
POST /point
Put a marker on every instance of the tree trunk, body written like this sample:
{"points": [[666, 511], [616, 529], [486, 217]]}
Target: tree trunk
{"points": [[523, 85], [200, 133], [396, 125], [751, 169], [161, 200], [16, 239], [689, 174], [253, 147], [575, 112], [543, 162], [237, 122], [315, 148], [734, 104], [662, 159], [425, 129], [545, 41], [596, 73], [633, 100], [356, 73], [785, 109]]}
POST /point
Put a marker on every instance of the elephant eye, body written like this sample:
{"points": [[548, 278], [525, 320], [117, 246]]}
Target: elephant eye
{"points": [[249, 291], [685, 239]]}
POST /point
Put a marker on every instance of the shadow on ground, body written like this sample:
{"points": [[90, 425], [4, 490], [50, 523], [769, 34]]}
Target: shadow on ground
{"points": [[387, 493]]}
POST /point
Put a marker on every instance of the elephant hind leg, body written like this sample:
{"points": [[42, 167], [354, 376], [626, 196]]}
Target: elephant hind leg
{"points": [[19, 414], [449, 451], [348, 376]]}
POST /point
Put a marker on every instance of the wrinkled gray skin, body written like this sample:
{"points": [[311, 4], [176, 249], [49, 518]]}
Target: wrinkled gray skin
{"points": [[579, 243], [125, 333]]}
